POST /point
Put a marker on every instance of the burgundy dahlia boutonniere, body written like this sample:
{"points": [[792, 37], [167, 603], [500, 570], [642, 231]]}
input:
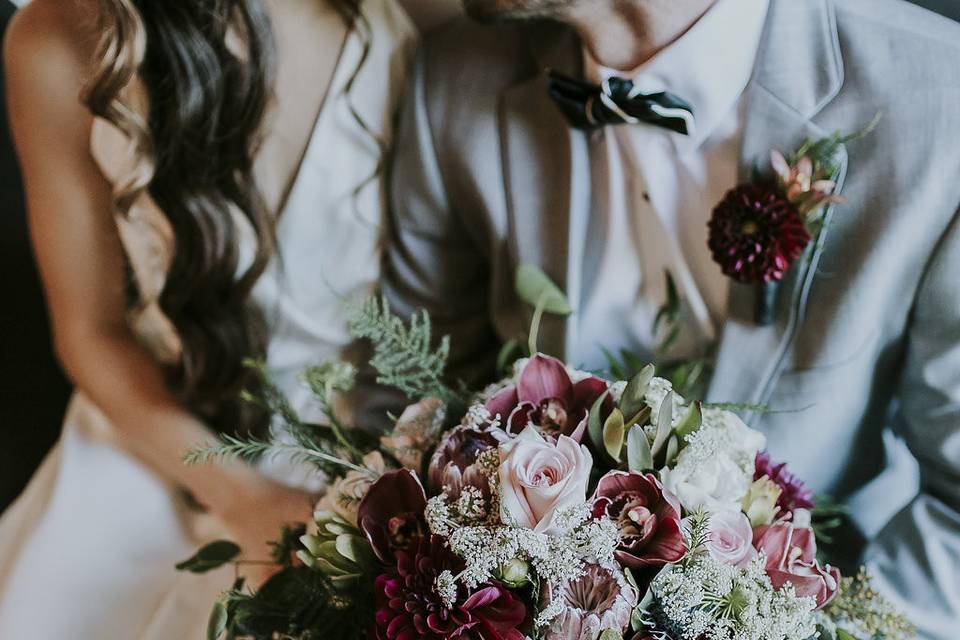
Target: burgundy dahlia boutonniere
{"points": [[761, 228]]}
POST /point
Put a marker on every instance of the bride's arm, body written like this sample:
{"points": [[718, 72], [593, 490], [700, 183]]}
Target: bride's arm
{"points": [[81, 263]]}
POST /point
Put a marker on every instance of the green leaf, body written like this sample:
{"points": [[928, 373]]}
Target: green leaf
{"points": [[843, 635], [537, 289], [509, 352], [211, 556], [594, 426], [673, 448], [356, 549], [610, 634], [691, 422], [218, 621], [633, 398], [664, 424], [639, 457], [613, 430]]}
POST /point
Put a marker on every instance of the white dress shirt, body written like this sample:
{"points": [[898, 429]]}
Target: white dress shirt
{"points": [[653, 190]]}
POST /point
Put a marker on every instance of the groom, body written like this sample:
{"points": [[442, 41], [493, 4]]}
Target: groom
{"points": [[505, 158]]}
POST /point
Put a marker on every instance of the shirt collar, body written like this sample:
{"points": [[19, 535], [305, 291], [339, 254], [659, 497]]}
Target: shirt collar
{"points": [[709, 66]]}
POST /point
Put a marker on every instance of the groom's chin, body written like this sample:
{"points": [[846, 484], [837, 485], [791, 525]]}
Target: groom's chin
{"points": [[493, 11]]}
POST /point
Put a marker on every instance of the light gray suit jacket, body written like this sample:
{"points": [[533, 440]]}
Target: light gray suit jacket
{"points": [[867, 333]]}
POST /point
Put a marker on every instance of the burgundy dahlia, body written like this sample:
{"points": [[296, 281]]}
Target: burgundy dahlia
{"points": [[756, 234], [648, 518], [793, 493], [409, 606], [546, 397]]}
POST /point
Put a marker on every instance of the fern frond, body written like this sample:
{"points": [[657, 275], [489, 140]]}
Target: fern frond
{"points": [[233, 447], [404, 356]]}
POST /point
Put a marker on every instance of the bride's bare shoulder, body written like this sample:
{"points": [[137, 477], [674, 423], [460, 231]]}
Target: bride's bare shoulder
{"points": [[49, 47]]}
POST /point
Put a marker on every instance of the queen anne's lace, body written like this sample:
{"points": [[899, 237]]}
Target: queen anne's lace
{"points": [[707, 599]]}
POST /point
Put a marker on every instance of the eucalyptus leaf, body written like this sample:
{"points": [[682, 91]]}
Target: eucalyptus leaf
{"points": [[218, 621], [691, 422], [843, 635], [634, 395], [639, 456], [613, 430], [664, 424], [537, 289], [673, 448], [356, 549], [214, 555], [610, 634], [594, 425]]}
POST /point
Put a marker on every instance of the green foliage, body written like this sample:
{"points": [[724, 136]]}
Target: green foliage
{"points": [[250, 448], [299, 603], [861, 611], [286, 547], [404, 356], [667, 323], [696, 531], [537, 289], [826, 517], [210, 557]]}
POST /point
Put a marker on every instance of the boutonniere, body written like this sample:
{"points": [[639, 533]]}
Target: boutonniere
{"points": [[761, 228]]}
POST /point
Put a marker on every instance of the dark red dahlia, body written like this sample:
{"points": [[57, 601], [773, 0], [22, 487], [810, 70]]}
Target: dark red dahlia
{"points": [[409, 607], [756, 234], [793, 493]]}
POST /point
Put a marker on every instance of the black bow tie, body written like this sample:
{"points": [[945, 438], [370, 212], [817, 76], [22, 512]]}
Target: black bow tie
{"points": [[617, 101]]}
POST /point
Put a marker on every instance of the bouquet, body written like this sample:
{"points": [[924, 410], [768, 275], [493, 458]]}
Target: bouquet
{"points": [[554, 504]]}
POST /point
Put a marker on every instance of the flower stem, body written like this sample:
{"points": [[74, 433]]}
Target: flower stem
{"points": [[536, 321]]}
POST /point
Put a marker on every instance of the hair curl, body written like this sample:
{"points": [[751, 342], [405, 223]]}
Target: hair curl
{"points": [[195, 150]]}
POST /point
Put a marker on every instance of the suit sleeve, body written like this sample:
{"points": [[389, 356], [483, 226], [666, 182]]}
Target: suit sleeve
{"points": [[435, 260], [916, 558]]}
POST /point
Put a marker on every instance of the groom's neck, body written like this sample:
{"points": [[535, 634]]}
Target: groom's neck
{"points": [[623, 34]]}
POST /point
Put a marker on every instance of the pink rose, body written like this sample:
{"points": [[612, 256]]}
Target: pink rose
{"points": [[731, 538], [538, 478], [791, 554]]}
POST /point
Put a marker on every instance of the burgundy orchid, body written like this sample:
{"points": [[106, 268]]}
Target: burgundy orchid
{"points": [[410, 608], [648, 518], [546, 397], [391, 514]]}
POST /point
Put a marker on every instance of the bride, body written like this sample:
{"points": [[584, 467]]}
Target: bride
{"points": [[211, 196]]}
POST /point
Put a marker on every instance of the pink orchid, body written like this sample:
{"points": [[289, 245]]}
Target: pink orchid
{"points": [[546, 397]]}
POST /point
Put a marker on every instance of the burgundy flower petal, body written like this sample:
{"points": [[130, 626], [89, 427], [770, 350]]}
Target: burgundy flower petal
{"points": [[396, 498], [503, 402], [756, 234], [542, 378]]}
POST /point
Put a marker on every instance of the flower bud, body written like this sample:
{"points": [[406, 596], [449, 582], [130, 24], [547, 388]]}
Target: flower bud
{"points": [[760, 503], [515, 573]]}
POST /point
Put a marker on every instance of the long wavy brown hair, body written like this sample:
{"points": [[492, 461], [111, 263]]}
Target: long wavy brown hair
{"points": [[196, 146]]}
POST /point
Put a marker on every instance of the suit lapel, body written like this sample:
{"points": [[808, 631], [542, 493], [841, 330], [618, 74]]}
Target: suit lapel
{"points": [[798, 72], [546, 173]]}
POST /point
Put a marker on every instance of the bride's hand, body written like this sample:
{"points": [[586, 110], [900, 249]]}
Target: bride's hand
{"points": [[255, 519]]}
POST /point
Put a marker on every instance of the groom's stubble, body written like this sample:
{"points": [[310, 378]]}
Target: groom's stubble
{"points": [[488, 11]]}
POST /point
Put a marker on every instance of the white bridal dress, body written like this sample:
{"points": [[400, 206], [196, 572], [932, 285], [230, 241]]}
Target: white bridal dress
{"points": [[88, 550]]}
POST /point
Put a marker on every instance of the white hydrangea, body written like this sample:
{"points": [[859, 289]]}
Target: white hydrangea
{"points": [[715, 469], [710, 599], [657, 390]]}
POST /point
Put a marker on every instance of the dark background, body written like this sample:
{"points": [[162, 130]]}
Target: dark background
{"points": [[33, 391]]}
